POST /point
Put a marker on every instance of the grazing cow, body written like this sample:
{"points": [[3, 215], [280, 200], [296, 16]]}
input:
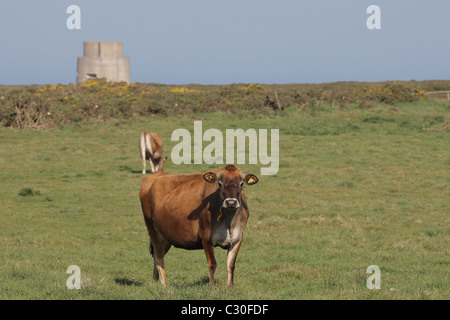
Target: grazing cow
{"points": [[196, 211], [151, 147]]}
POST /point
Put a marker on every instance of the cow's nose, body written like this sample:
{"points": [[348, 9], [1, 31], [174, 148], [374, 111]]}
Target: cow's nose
{"points": [[231, 202]]}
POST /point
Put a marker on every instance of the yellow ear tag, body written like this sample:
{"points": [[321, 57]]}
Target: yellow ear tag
{"points": [[250, 180]]}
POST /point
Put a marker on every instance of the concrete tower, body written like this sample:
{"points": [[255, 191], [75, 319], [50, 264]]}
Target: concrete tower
{"points": [[103, 60]]}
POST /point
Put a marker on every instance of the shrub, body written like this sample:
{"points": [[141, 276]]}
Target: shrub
{"points": [[53, 105], [391, 93], [26, 192]]}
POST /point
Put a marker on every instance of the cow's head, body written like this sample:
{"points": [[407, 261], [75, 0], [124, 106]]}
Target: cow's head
{"points": [[231, 181], [160, 165]]}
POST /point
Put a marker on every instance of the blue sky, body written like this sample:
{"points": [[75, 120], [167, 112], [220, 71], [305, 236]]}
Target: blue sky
{"points": [[233, 41]]}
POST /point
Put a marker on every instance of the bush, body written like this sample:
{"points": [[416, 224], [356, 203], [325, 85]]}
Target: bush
{"points": [[26, 192], [53, 105], [391, 93]]}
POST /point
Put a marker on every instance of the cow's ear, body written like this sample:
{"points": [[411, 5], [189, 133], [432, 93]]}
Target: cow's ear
{"points": [[210, 177], [165, 159], [251, 179]]}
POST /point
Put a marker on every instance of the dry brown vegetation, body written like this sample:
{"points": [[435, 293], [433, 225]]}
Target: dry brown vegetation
{"points": [[48, 106]]}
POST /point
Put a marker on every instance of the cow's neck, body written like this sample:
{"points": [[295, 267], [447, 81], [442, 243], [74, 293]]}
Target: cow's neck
{"points": [[227, 215]]}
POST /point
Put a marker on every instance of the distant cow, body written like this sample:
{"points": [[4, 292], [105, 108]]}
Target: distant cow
{"points": [[196, 211], [151, 147]]}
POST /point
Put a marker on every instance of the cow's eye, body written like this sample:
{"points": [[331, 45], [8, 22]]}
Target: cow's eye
{"points": [[241, 184], [220, 183]]}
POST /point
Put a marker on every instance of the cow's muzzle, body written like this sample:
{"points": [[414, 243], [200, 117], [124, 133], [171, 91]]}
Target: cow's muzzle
{"points": [[231, 203]]}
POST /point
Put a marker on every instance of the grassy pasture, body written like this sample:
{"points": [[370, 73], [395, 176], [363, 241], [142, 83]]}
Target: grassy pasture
{"points": [[356, 187]]}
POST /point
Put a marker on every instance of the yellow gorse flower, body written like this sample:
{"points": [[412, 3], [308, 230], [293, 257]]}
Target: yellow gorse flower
{"points": [[253, 86], [183, 90]]}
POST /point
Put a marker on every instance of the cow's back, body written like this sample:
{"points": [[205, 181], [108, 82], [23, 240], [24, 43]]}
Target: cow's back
{"points": [[157, 145]]}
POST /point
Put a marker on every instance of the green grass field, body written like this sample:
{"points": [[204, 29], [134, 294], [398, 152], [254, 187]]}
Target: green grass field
{"points": [[356, 187]]}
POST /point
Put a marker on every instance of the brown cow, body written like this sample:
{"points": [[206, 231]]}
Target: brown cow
{"points": [[196, 211], [151, 147]]}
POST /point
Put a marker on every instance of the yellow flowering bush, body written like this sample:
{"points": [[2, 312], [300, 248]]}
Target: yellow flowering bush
{"points": [[183, 90], [51, 87], [98, 99], [253, 87], [391, 93]]}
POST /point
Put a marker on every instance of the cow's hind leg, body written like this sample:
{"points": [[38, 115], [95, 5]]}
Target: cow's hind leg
{"points": [[212, 264], [155, 270], [159, 251], [142, 150], [158, 248], [148, 148]]}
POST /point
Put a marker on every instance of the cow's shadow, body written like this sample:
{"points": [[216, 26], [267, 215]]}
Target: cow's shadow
{"points": [[127, 282], [140, 172], [210, 201], [131, 283], [200, 282]]}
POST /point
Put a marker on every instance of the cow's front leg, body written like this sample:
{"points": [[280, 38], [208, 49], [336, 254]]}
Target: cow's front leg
{"points": [[212, 264], [231, 260], [152, 165]]}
